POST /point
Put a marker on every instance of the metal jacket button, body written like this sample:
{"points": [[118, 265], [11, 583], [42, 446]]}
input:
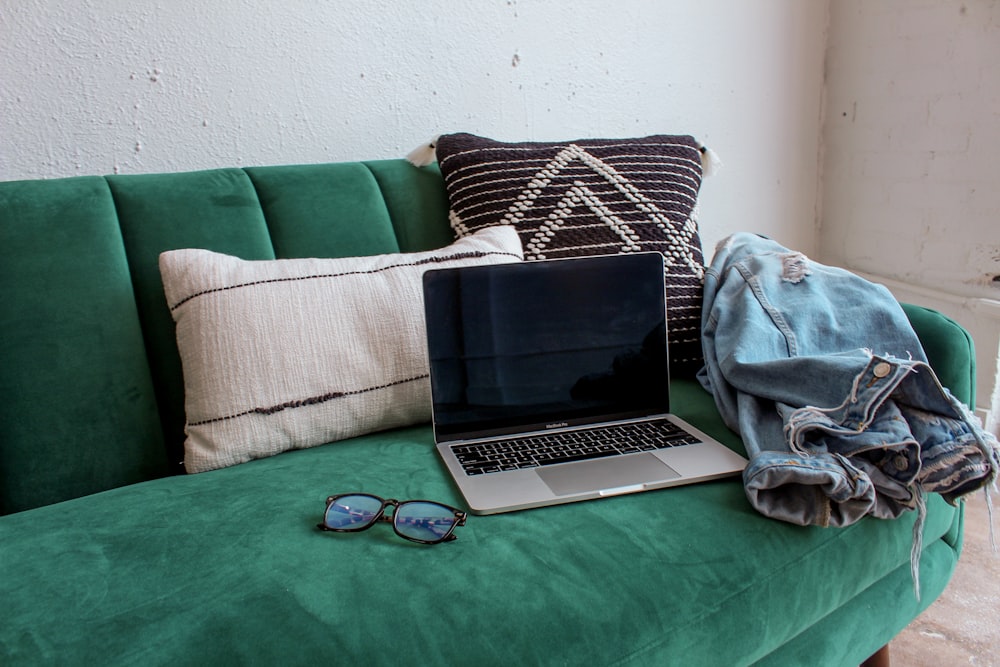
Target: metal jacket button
{"points": [[881, 369]]}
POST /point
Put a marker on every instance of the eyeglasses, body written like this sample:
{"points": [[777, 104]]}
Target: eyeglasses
{"points": [[420, 521]]}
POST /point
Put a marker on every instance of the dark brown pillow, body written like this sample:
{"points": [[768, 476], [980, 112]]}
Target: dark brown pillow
{"points": [[591, 197]]}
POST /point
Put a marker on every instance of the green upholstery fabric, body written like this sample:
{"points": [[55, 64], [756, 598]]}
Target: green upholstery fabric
{"points": [[242, 575], [890, 601], [217, 210], [324, 211], [72, 359], [949, 349], [227, 566], [414, 197]]}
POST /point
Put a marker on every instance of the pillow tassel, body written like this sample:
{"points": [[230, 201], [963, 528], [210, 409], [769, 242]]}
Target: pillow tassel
{"points": [[710, 162], [424, 154]]}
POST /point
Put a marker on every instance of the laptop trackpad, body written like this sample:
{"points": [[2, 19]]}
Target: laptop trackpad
{"points": [[604, 474]]}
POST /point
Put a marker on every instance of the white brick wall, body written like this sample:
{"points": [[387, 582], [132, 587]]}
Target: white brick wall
{"points": [[911, 138], [911, 157]]}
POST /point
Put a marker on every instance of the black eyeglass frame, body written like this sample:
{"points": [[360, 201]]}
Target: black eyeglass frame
{"points": [[382, 517]]}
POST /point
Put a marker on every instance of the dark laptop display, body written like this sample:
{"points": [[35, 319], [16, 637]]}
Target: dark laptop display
{"points": [[502, 364]]}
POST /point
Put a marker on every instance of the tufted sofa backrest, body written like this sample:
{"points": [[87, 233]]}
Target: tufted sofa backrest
{"points": [[91, 391]]}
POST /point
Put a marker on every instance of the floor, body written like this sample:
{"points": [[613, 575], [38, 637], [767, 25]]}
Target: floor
{"points": [[962, 627]]}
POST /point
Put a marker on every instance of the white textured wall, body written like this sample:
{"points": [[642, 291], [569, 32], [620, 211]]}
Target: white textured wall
{"points": [[911, 173], [101, 86]]}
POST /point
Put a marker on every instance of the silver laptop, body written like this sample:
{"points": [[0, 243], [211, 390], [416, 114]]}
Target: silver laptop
{"points": [[550, 383]]}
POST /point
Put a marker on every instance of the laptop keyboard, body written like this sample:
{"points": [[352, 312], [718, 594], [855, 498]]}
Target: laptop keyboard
{"points": [[548, 449]]}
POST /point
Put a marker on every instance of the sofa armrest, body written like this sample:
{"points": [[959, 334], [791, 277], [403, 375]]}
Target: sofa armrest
{"points": [[949, 349]]}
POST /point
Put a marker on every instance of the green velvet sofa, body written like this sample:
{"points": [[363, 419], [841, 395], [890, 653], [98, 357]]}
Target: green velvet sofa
{"points": [[111, 555]]}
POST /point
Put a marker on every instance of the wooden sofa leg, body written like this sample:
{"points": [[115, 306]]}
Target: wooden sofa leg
{"points": [[879, 659]]}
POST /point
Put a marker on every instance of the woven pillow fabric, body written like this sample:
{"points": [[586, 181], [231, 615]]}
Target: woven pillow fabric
{"points": [[294, 353], [591, 197]]}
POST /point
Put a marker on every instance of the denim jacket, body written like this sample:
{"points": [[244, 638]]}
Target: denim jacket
{"points": [[821, 374]]}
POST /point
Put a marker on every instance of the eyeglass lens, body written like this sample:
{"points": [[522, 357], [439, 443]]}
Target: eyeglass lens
{"points": [[353, 512], [424, 521], [418, 520]]}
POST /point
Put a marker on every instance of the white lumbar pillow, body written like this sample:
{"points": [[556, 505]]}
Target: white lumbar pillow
{"points": [[293, 353]]}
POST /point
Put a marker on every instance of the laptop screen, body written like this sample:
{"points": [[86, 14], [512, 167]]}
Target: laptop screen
{"points": [[528, 346]]}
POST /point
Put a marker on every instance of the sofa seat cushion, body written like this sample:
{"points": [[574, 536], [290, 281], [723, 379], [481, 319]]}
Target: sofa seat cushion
{"points": [[228, 566]]}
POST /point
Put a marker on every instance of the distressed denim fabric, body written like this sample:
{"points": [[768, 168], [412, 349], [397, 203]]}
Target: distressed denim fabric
{"points": [[823, 377]]}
